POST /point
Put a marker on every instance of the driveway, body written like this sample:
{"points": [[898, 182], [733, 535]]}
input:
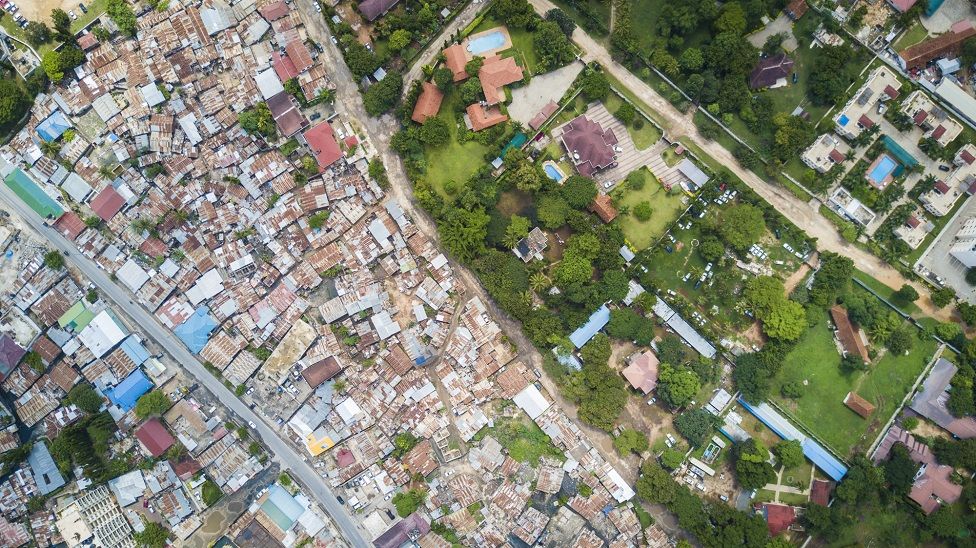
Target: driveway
{"points": [[802, 214], [950, 12], [528, 100], [780, 25]]}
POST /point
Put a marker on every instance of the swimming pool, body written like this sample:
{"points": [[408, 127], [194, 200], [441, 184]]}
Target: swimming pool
{"points": [[881, 170], [553, 172], [486, 42]]}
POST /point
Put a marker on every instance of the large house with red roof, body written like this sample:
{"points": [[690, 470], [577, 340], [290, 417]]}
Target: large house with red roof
{"points": [[321, 139]]}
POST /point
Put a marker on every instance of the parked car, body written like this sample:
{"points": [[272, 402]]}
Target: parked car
{"points": [[82, 8], [944, 167], [72, 15], [341, 500]]}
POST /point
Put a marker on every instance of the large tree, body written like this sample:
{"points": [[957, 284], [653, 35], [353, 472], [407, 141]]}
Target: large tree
{"points": [[789, 453], [152, 404], [696, 425], [741, 226], [551, 45], [579, 191], [13, 101], [37, 33], [752, 466], [463, 232], [677, 386]]}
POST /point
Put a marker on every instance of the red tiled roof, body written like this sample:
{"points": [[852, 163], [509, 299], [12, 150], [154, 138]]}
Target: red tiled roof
{"points": [[299, 55], [602, 205], [642, 372], [428, 103], [920, 117], [154, 247], [891, 92], [543, 115], [865, 122], [967, 157], [70, 225], [935, 485], [589, 144], [186, 468], [87, 41], [284, 67], [10, 354], [107, 203], [482, 118], [455, 58], [495, 73], [945, 45], [797, 8], [849, 337], [769, 70], [321, 371], [344, 458], [154, 437], [323, 143], [778, 517], [913, 221], [938, 131], [859, 405], [836, 156], [291, 122], [274, 11], [371, 9], [820, 492], [351, 141], [941, 187], [46, 349]]}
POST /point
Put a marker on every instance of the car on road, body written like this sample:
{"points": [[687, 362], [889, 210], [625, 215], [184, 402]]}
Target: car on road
{"points": [[341, 500], [334, 41], [251, 424]]}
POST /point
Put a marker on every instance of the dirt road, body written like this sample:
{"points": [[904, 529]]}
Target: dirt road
{"points": [[803, 214]]}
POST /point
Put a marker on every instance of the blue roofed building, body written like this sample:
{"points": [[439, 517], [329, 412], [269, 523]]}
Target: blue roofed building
{"points": [[816, 453], [53, 126], [45, 471], [134, 350], [598, 320], [126, 393], [195, 331], [282, 508]]}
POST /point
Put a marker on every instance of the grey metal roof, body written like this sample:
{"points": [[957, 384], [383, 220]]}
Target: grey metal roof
{"points": [[45, 471]]}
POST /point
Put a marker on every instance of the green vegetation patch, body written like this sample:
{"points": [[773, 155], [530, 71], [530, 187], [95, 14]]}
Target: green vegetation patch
{"points": [[666, 206]]}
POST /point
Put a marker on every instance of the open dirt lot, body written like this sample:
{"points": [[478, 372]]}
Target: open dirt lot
{"points": [[40, 10]]}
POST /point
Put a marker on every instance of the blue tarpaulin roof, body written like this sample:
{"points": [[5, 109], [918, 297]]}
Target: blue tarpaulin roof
{"points": [[134, 349], [129, 390], [812, 450], [597, 321], [53, 126], [195, 331]]}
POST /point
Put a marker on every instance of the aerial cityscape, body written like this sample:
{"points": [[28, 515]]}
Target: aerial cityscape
{"points": [[561, 273]]}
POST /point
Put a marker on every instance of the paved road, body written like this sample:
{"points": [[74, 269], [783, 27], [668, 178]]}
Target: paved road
{"points": [[434, 48], [802, 214], [150, 326]]}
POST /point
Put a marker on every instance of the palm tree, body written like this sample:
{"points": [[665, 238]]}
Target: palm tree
{"points": [[539, 282], [50, 148]]}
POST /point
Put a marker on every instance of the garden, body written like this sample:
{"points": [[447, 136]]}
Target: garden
{"points": [[814, 369], [641, 228]]}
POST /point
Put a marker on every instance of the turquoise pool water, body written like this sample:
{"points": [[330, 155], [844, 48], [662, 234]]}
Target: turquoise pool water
{"points": [[882, 170], [552, 172], [486, 42]]}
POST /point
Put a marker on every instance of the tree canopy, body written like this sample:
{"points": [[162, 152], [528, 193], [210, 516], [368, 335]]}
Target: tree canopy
{"points": [[741, 226], [152, 404], [752, 468]]}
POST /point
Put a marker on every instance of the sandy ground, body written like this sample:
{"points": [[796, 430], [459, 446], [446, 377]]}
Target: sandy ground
{"points": [[528, 101], [40, 10]]}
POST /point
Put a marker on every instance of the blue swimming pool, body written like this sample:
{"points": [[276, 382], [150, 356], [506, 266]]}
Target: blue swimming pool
{"points": [[553, 172], [490, 41], [882, 170]]}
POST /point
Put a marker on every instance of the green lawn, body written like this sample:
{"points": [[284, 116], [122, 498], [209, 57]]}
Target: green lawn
{"points": [[912, 36], [95, 8], [821, 409], [453, 161], [644, 137], [887, 292], [667, 207]]}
